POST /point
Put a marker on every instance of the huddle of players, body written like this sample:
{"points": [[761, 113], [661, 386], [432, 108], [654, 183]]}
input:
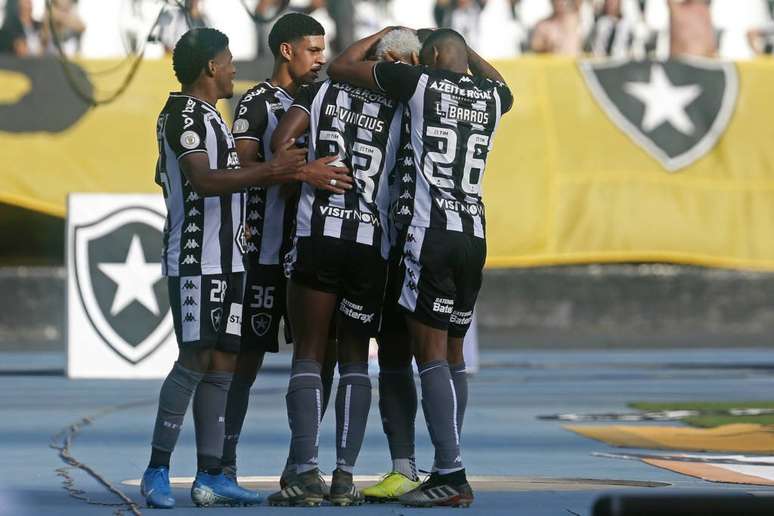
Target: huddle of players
{"points": [[377, 168]]}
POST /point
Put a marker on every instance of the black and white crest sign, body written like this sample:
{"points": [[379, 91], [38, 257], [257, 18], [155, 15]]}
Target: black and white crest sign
{"points": [[261, 323], [676, 110], [116, 261]]}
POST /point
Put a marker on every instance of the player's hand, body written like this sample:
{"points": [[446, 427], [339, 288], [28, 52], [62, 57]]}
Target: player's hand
{"points": [[287, 159], [321, 174]]}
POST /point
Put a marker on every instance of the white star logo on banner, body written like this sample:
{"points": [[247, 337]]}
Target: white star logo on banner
{"points": [[664, 102], [135, 279]]}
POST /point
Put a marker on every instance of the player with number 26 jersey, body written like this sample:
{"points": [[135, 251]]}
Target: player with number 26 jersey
{"points": [[454, 117]]}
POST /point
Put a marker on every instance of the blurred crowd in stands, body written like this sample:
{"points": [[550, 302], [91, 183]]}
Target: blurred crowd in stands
{"points": [[729, 29]]}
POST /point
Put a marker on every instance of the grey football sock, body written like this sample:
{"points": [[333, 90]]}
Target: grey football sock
{"points": [[398, 409], [236, 410], [175, 395], [304, 404], [209, 411], [326, 375], [439, 404], [460, 379], [353, 401], [407, 467]]}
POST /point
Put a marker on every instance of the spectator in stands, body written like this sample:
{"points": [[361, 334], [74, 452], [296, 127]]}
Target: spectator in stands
{"points": [[67, 24], [690, 29], [173, 24], [613, 33], [464, 18], [20, 34], [562, 32], [761, 38]]}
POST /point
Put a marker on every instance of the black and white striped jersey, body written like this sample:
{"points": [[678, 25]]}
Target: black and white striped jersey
{"points": [[362, 128], [453, 120], [402, 172], [202, 235], [269, 210]]}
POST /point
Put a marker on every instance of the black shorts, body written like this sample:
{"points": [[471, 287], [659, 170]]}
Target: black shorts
{"points": [[354, 272], [207, 310], [441, 274], [264, 307]]}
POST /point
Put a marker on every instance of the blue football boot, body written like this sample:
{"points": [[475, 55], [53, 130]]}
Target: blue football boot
{"points": [[155, 488], [220, 490]]}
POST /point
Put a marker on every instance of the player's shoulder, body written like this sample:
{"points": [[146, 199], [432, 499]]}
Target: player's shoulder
{"points": [[313, 88], [184, 111], [260, 93], [186, 104]]}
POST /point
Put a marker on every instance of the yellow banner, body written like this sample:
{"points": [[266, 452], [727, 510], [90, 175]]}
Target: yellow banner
{"points": [[566, 183], [597, 162]]}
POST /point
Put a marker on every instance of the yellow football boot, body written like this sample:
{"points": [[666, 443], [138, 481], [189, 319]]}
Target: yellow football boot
{"points": [[389, 488]]}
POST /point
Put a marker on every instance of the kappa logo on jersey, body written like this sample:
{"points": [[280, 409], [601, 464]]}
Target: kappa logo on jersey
{"points": [[216, 315], [675, 110], [118, 278], [260, 323]]}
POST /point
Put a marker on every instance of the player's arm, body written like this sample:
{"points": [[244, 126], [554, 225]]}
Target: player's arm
{"points": [[293, 124], [481, 68], [272, 173], [351, 65], [208, 182], [250, 119]]}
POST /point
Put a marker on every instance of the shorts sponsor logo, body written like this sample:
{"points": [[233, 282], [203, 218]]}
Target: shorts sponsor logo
{"points": [[119, 282], [355, 311], [461, 318], [261, 323], [443, 305]]}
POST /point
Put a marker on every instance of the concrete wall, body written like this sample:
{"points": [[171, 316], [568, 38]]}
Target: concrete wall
{"points": [[548, 308]]}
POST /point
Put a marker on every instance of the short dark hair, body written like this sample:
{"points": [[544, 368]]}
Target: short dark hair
{"points": [[441, 37], [194, 50], [422, 34], [292, 27]]}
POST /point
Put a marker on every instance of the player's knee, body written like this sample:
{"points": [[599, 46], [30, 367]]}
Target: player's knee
{"points": [[249, 363], [455, 350], [223, 361], [394, 353], [195, 359]]}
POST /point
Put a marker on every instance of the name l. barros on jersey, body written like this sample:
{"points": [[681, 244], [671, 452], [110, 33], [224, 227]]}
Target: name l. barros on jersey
{"points": [[463, 114]]}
